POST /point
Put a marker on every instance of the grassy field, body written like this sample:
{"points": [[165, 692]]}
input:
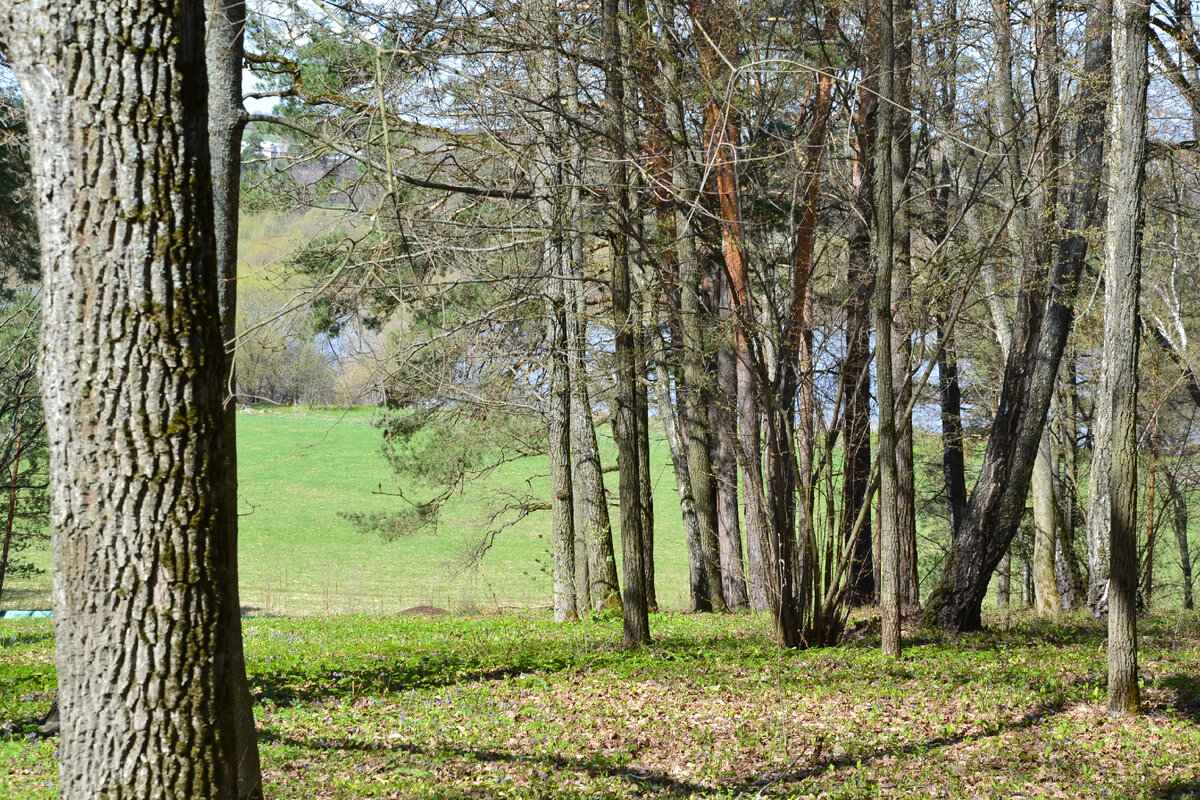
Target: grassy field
{"points": [[499, 706], [299, 470]]}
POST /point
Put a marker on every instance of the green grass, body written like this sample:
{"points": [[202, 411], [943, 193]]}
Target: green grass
{"points": [[299, 470], [514, 706]]}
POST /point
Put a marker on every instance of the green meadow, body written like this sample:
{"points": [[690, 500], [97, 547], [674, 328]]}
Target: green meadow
{"points": [[301, 470]]}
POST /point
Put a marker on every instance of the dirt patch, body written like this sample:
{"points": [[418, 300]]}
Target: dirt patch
{"points": [[424, 611]]}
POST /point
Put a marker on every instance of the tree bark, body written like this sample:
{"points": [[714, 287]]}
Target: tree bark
{"points": [[645, 480], [1112, 505], [724, 419], [592, 522], [625, 425], [562, 512], [132, 373], [695, 375], [1046, 522], [953, 461], [1180, 519], [889, 524], [224, 47], [855, 383], [1147, 594], [1071, 586], [902, 326]]}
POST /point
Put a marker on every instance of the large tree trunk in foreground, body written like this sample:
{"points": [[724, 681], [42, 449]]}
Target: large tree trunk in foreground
{"points": [[1044, 316], [696, 414], [1113, 506], [133, 376], [224, 46]]}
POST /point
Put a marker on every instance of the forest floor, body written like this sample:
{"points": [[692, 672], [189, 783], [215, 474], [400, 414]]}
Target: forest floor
{"points": [[515, 706]]}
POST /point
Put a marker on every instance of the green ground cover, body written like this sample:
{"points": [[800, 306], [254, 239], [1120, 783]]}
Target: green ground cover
{"points": [[387, 706]]}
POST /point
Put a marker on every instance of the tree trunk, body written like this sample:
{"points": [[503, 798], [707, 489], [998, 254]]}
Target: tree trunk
{"points": [[645, 480], [592, 522], [889, 524], [133, 376], [224, 45], [1046, 521], [953, 462], [11, 517], [855, 383], [625, 425], [1004, 580], [693, 359], [1112, 505], [1180, 519], [724, 419], [595, 563], [902, 326], [1071, 586], [562, 514], [750, 443], [1043, 169], [1148, 563], [684, 484], [1045, 311]]}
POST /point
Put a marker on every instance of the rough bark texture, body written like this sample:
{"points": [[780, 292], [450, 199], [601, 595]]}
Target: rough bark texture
{"points": [[724, 419], [132, 373], [1043, 168], [645, 481], [1114, 465], [953, 462], [625, 425], [856, 399], [1045, 311], [562, 512], [889, 524], [902, 325], [224, 46], [1046, 523], [592, 522], [1147, 595], [1071, 585], [700, 468]]}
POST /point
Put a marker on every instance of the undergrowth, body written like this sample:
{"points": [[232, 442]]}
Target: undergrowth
{"points": [[515, 706]]}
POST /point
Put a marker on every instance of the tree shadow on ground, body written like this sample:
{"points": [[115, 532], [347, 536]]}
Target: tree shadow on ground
{"points": [[663, 784], [434, 670], [1187, 694], [1180, 790]]}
